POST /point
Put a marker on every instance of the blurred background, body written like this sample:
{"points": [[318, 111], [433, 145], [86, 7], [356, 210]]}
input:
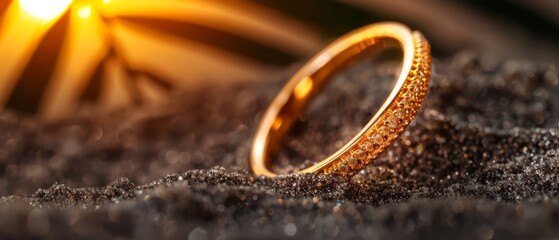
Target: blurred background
{"points": [[60, 56]]}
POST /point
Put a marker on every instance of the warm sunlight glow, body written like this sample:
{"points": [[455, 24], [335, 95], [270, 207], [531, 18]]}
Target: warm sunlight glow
{"points": [[84, 11], [44, 9]]}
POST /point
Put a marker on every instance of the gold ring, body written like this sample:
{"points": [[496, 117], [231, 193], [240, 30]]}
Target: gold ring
{"points": [[394, 115]]}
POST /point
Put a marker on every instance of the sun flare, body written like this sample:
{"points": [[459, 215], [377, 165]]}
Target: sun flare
{"points": [[45, 10], [84, 11]]}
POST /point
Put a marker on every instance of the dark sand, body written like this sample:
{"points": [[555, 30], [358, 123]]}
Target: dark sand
{"points": [[480, 161]]}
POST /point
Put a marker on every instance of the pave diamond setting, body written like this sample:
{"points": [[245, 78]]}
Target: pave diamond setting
{"points": [[394, 120]]}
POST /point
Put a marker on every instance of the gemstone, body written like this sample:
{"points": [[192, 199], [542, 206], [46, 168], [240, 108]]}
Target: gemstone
{"points": [[392, 122], [377, 139], [344, 168], [406, 101], [354, 161], [413, 86], [360, 154], [400, 113], [367, 146], [384, 130], [421, 74]]}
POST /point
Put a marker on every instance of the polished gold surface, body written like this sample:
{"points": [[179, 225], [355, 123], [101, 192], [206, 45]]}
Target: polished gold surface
{"points": [[386, 125]]}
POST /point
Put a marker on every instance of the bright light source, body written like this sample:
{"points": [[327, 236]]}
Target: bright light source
{"points": [[44, 9], [84, 11]]}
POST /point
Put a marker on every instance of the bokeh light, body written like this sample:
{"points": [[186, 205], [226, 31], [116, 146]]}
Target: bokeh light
{"points": [[45, 10], [84, 11]]}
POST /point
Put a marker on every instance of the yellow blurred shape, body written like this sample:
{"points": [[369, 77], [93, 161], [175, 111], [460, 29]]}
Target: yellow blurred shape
{"points": [[276, 125], [20, 34], [84, 11], [303, 88], [45, 10], [85, 45]]}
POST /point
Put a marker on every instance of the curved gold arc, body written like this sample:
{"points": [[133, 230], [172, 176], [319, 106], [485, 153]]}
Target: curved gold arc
{"points": [[390, 120]]}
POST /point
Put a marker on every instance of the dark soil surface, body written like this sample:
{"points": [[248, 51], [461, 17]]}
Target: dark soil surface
{"points": [[480, 161]]}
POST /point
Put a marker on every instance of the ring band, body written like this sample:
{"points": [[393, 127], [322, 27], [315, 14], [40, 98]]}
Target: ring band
{"points": [[395, 114]]}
